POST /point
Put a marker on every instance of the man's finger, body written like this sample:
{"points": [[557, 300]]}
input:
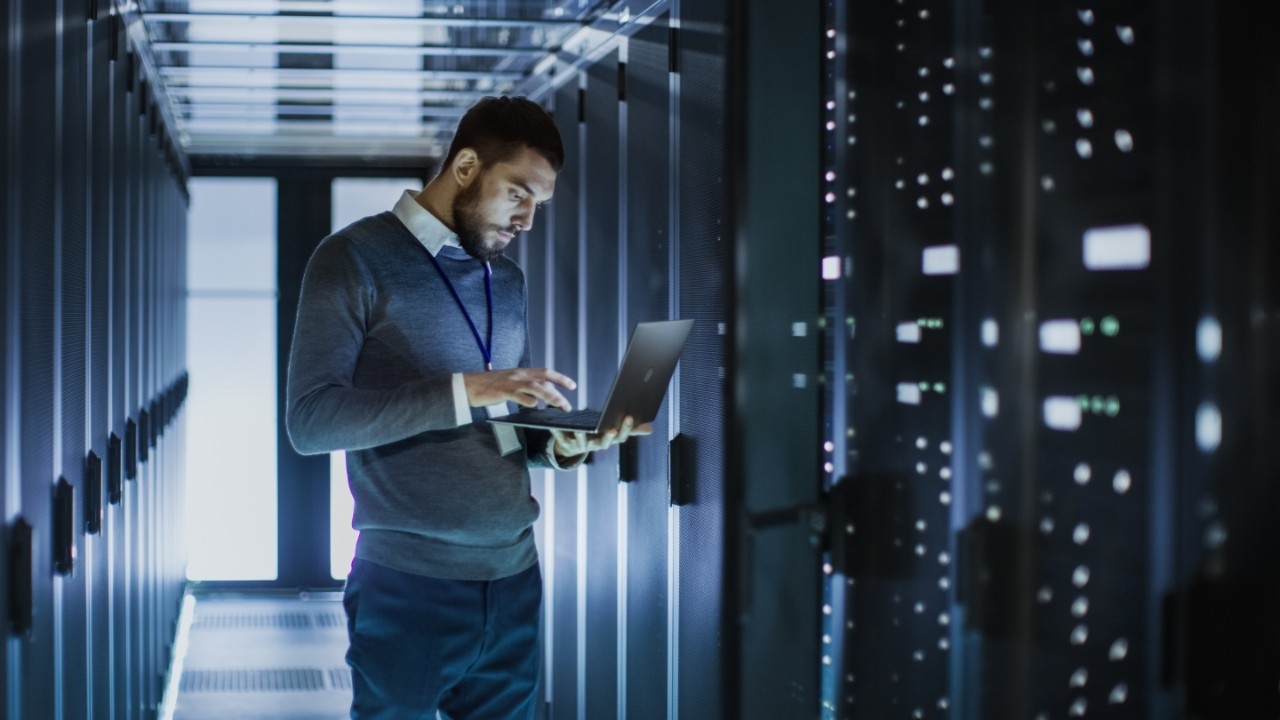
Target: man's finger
{"points": [[560, 379]]}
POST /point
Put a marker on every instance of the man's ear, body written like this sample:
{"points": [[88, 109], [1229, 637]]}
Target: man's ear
{"points": [[466, 167]]}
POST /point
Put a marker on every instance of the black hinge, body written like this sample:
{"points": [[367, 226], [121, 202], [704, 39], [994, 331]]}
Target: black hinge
{"points": [[130, 449], [115, 470], [64, 527], [20, 581], [628, 462], [582, 105], [158, 421], [93, 494], [622, 82], [673, 50], [680, 456], [131, 70]]}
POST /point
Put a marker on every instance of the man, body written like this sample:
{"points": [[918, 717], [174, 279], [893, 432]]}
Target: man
{"points": [[412, 331]]}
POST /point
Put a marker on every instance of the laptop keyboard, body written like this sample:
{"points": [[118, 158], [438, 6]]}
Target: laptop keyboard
{"points": [[585, 419]]}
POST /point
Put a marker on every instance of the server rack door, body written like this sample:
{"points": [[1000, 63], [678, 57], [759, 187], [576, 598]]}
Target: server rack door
{"points": [[561, 563], [8, 253], [37, 212], [98, 547], [72, 130], [1219, 168], [647, 281], [774, 417], [702, 269], [601, 321]]}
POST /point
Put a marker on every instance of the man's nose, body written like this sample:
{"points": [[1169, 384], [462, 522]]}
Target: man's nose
{"points": [[523, 219]]}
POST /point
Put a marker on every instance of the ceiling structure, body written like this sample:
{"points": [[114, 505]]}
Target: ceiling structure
{"points": [[337, 80]]}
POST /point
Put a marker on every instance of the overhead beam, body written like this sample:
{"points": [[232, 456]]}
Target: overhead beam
{"points": [[461, 22], [334, 48]]}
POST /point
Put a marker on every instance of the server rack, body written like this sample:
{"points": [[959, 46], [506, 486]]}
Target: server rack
{"points": [[94, 225]]}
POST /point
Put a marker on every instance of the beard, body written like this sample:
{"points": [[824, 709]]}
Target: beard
{"points": [[472, 229]]}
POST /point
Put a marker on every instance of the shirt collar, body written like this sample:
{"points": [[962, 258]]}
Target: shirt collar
{"points": [[430, 231]]}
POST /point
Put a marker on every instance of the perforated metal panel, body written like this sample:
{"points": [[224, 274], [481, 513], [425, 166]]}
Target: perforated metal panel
{"points": [[647, 272], [561, 515], [600, 320], [702, 267], [35, 203]]}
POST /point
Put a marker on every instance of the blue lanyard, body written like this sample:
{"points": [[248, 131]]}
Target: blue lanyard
{"points": [[486, 349]]}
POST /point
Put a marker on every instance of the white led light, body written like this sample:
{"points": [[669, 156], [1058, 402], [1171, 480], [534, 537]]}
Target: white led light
{"points": [[990, 402], [831, 267], [990, 333], [909, 393], [1208, 427], [941, 260], [908, 332], [1122, 481], [1208, 339], [1062, 413], [1122, 247], [1061, 337]]}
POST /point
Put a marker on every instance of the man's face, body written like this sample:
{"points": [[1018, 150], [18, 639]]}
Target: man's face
{"points": [[500, 202]]}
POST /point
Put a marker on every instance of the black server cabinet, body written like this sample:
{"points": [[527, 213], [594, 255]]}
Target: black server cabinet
{"points": [[600, 324], [36, 207], [95, 223], [1051, 226], [563, 319], [646, 246]]}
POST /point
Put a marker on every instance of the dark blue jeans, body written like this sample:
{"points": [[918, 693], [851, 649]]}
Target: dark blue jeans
{"points": [[418, 644]]}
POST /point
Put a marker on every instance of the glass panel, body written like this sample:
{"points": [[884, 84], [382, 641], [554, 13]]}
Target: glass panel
{"points": [[231, 355], [353, 198]]}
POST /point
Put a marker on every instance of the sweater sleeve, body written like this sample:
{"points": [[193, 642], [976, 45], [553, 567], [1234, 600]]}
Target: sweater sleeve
{"points": [[324, 412]]}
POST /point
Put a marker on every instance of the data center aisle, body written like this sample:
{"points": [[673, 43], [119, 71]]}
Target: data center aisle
{"points": [[269, 655]]}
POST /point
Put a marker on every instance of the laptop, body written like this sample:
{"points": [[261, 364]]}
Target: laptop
{"points": [[638, 388]]}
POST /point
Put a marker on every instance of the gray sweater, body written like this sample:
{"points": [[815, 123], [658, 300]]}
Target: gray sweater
{"points": [[377, 341]]}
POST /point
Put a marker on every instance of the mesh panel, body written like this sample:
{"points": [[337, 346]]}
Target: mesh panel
{"points": [[703, 257], [35, 205], [562, 517], [648, 292], [600, 550]]}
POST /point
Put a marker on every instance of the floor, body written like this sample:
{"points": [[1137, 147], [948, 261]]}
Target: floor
{"points": [[258, 656]]}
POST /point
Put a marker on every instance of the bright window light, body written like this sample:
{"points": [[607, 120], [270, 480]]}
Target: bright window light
{"points": [[231, 355]]}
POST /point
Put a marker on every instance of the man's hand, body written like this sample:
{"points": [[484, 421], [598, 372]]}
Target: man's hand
{"points": [[523, 386], [569, 443]]}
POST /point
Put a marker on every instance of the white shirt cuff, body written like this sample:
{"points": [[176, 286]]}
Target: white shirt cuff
{"points": [[461, 408]]}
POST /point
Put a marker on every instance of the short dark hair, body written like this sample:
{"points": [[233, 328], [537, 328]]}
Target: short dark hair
{"points": [[498, 127]]}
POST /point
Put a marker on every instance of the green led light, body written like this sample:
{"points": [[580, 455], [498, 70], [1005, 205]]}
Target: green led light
{"points": [[1110, 326], [924, 387], [1113, 406], [1084, 401], [1086, 326], [939, 387], [1097, 404]]}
